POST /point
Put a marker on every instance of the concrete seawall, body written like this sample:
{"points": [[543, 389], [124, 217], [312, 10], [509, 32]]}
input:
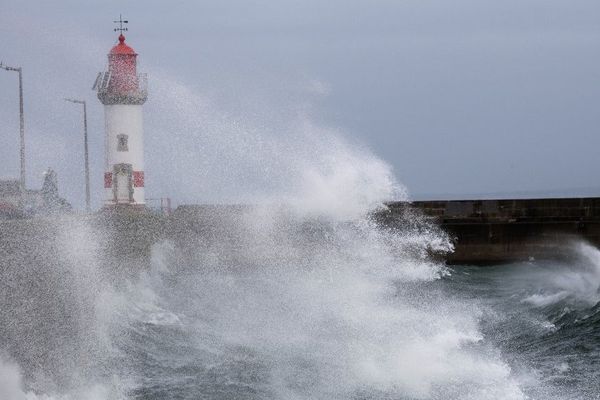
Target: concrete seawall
{"points": [[484, 231], [507, 230]]}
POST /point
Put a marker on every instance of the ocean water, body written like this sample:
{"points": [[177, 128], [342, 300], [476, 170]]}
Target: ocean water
{"points": [[545, 318], [303, 296], [285, 305]]}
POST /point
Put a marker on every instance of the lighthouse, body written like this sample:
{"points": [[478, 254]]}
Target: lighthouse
{"points": [[123, 91]]}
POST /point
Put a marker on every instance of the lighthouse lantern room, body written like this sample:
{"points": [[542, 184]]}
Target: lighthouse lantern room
{"points": [[123, 92]]}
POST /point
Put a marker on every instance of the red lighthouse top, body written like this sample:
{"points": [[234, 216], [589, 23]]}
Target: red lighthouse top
{"points": [[121, 84], [122, 48], [122, 66]]}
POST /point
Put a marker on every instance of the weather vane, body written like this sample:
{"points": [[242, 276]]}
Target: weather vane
{"points": [[121, 22]]}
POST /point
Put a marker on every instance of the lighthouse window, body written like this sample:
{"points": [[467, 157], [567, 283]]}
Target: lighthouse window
{"points": [[122, 143]]}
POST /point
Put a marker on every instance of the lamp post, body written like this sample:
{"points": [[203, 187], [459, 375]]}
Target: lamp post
{"points": [[85, 150], [21, 123]]}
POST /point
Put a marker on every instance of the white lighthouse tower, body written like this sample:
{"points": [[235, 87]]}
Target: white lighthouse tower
{"points": [[123, 92]]}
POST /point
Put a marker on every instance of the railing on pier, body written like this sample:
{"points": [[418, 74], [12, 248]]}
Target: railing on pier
{"points": [[160, 205]]}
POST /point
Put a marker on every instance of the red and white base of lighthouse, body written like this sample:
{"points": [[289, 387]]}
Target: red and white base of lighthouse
{"points": [[123, 92]]}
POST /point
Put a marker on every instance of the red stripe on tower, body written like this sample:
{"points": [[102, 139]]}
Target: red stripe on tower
{"points": [[138, 178], [108, 180]]}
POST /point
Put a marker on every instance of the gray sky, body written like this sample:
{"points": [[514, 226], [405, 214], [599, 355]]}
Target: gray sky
{"points": [[459, 97]]}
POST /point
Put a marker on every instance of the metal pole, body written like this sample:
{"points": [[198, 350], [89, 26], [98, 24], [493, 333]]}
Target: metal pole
{"points": [[85, 152], [87, 162], [22, 129], [21, 125]]}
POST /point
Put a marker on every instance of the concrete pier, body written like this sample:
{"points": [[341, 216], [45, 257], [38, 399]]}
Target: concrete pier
{"points": [[508, 230], [483, 231]]}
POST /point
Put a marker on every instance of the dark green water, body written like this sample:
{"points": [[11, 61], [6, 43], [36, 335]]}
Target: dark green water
{"points": [[280, 307], [544, 316]]}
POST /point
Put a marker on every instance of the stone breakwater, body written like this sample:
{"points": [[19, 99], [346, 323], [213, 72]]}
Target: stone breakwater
{"points": [[509, 230], [483, 231]]}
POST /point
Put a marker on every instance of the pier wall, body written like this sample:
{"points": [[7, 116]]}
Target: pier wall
{"points": [[483, 231], [506, 230]]}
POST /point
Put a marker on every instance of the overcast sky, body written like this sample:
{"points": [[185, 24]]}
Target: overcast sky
{"points": [[461, 98]]}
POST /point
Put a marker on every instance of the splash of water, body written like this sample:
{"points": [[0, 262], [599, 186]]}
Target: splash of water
{"points": [[309, 309], [303, 296], [250, 158], [577, 283]]}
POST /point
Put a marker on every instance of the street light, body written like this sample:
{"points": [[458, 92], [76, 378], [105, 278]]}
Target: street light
{"points": [[21, 120], [85, 150]]}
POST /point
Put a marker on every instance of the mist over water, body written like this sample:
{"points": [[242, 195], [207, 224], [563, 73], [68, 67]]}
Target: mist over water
{"points": [[274, 152], [301, 296]]}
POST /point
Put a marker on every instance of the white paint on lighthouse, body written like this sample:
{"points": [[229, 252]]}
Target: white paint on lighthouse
{"points": [[123, 92], [125, 145]]}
